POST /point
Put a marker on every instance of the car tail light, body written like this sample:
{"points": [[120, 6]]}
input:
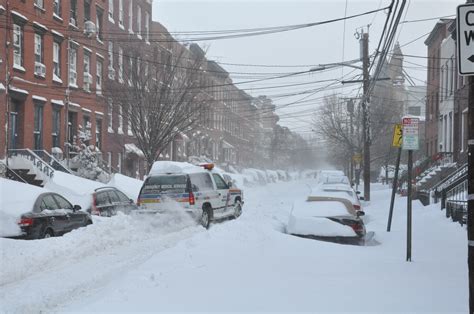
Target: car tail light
{"points": [[357, 227], [24, 222], [356, 207], [191, 198], [94, 210]]}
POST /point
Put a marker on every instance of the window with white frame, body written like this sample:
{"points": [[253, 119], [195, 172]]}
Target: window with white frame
{"points": [[121, 13], [98, 80], [39, 4], [17, 45], [147, 26], [139, 21], [130, 16], [130, 71], [110, 111], [87, 72], [111, 10], [40, 68], [111, 60], [120, 120], [56, 61], [99, 23], [120, 65], [119, 162], [57, 8], [73, 66], [129, 121]]}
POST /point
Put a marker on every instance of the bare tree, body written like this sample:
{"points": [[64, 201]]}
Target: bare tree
{"points": [[159, 94]]}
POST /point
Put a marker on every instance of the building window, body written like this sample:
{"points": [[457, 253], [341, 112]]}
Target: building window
{"points": [[87, 10], [38, 127], [120, 65], [87, 72], [56, 61], [86, 129], [121, 13], [17, 45], [111, 59], [130, 16], [56, 127], [98, 133], [119, 162], [129, 121], [111, 11], [73, 66], [130, 71], [99, 22], [39, 4], [98, 80], [110, 111], [40, 68], [73, 8], [414, 111], [57, 8], [139, 21], [120, 117], [109, 161], [147, 26]]}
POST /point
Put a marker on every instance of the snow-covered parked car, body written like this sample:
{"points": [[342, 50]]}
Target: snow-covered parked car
{"points": [[107, 201], [327, 218], [30, 212], [338, 190], [198, 189]]}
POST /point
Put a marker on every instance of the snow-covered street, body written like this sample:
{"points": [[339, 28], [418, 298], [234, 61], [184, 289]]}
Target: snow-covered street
{"points": [[170, 263]]}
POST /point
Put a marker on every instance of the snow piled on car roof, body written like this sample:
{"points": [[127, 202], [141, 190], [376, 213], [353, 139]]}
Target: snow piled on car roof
{"points": [[166, 167], [16, 198], [322, 208]]}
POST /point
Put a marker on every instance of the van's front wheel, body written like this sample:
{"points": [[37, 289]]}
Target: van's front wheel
{"points": [[206, 217]]}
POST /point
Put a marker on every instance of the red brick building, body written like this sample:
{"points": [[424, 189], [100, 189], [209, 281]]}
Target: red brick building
{"points": [[55, 66]]}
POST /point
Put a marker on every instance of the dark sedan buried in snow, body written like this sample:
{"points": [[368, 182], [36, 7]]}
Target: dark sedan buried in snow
{"points": [[30, 212], [327, 218]]}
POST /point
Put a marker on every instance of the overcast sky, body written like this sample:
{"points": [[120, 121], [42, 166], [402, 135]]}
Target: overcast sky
{"points": [[309, 46]]}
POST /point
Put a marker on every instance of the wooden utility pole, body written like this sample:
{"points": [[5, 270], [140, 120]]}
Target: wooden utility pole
{"points": [[366, 114]]}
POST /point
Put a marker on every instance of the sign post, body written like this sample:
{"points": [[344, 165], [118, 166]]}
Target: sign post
{"points": [[410, 129], [465, 44], [396, 142]]}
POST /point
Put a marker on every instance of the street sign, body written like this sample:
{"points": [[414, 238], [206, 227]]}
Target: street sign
{"points": [[410, 131], [397, 135], [465, 38], [357, 157]]}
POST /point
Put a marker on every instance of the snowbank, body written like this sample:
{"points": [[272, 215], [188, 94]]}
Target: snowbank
{"points": [[130, 186], [16, 198]]}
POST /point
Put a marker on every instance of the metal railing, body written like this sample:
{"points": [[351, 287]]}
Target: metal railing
{"points": [[37, 162], [9, 173], [52, 161], [443, 184], [456, 201]]}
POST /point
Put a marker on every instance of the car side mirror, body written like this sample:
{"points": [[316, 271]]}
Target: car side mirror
{"points": [[361, 198], [357, 192], [360, 213], [229, 184], [76, 208]]}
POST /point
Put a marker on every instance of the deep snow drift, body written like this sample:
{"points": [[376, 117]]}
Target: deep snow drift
{"points": [[171, 264]]}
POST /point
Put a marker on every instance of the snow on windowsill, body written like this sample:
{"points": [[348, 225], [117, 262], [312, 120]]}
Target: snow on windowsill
{"points": [[40, 25], [121, 26], [57, 33], [57, 17], [39, 98], [21, 16], [120, 131], [19, 68], [110, 130], [111, 20], [57, 79]]}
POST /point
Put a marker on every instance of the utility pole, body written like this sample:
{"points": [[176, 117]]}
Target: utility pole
{"points": [[7, 83], [350, 109], [365, 114]]}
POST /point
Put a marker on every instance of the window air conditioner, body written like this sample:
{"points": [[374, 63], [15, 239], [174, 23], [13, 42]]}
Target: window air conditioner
{"points": [[89, 28], [40, 69]]}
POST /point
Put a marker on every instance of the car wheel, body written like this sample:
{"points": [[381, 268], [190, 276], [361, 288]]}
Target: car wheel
{"points": [[48, 233], [206, 217], [88, 222], [237, 209]]}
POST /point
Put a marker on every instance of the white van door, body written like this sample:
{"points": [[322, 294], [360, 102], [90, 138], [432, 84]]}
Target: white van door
{"points": [[223, 191]]}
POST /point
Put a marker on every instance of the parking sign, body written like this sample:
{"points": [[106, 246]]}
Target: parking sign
{"points": [[410, 134]]}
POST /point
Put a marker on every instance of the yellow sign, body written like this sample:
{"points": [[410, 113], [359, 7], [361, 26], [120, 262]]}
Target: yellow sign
{"points": [[397, 136], [357, 158]]}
